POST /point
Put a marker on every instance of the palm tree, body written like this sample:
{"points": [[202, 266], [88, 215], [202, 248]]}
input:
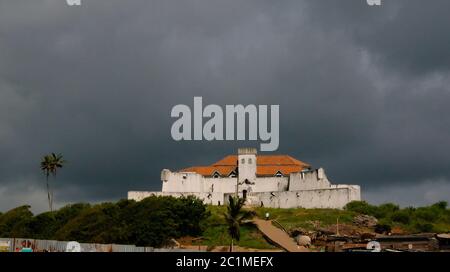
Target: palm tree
{"points": [[50, 164], [235, 216]]}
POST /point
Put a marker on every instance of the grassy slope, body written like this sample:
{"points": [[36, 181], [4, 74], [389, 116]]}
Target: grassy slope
{"points": [[303, 218], [216, 231]]}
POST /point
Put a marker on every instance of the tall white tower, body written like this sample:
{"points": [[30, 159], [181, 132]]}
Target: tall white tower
{"points": [[246, 169]]}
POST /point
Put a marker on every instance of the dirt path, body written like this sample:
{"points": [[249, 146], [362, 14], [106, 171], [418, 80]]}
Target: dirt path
{"points": [[278, 236]]}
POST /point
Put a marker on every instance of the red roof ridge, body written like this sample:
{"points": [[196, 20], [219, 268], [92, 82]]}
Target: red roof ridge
{"points": [[266, 165]]}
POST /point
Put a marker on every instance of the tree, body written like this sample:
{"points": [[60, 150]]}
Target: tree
{"points": [[235, 216], [14, 222], [50, 164]]}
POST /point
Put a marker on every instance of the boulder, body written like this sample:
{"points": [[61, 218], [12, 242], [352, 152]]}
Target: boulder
{"points": [[303, 240], [363, 220]]}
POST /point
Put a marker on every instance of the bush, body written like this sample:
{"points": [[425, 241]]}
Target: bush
{"points": [[150, 222], [383, 228], [385, 210], [361, 207], [14, 223], [427, 214], [424, 227], [403, 217], [442, 205], [424, 219]]}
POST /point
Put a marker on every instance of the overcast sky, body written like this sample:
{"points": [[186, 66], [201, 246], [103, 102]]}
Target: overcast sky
{"points": [[363, 91]]}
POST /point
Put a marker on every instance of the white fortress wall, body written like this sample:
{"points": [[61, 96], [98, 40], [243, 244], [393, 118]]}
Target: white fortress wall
{"points": [[319, 198], [308, 189], [223, 185], [270, 184], [336, 197], [207, 198], [181, 182], [355, 193], [192, 182], [309, 180]]}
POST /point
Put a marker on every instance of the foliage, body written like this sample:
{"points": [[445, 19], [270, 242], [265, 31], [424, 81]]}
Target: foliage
{"points": [[434, 218], [216, 232], [307, 219], [49, 165], [235, 216], [150, 222], [155, 220], [14, 222]]}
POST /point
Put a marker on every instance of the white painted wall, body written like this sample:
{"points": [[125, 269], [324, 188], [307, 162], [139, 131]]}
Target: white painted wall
{"points": [[315, 179], [333, 198], [319, 198], [247, 165], [192, 182], [310, 189], [179, 182], [270, 184], [207, 198]]}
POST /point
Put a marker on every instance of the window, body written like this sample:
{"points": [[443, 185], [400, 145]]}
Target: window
{"points": [[278, 174], [216, 175], [250, 161], [232, 175], [243, 161]]}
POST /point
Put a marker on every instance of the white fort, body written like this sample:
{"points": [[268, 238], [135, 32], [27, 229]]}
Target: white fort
{"points": [[277, 181]]}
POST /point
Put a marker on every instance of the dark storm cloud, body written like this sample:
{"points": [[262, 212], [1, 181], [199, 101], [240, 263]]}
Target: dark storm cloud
{"points": [[407, 35], [360, 92]]}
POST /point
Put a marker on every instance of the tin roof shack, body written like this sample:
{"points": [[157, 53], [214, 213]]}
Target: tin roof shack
{"points": [[337, 243], [414, 242], [444, 241]]}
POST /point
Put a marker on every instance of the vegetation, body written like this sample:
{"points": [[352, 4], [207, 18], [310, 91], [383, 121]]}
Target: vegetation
{"points": [[434, 218], [49, 165], [307, 219], [155, 220], [216, 232], [235, 217], [150, 222]]}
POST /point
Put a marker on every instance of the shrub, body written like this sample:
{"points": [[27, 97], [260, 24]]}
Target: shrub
{"points": [[150, 222], [383, 228], [14, 223], [427, 214], [424, 227], [385, 210], [402, 216], [361, 207], [442, 205]]}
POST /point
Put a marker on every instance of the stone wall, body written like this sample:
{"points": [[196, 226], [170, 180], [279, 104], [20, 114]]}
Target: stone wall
{"points": [[334, 198], [207, 198], [309, 180], [309, 189]]}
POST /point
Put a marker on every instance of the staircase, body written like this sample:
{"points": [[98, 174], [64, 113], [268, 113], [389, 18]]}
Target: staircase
{"points": [[278, 236]]}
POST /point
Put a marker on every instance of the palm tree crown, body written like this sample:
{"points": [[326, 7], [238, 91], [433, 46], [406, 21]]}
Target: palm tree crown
{"points": [[49, 165], [235, 216]]}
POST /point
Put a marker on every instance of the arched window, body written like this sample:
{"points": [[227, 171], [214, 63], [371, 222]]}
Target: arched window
{"points": [[249, 160], [243, 161]]}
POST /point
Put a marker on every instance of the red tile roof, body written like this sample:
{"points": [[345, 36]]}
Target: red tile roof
{"points": [[266, 165]]}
